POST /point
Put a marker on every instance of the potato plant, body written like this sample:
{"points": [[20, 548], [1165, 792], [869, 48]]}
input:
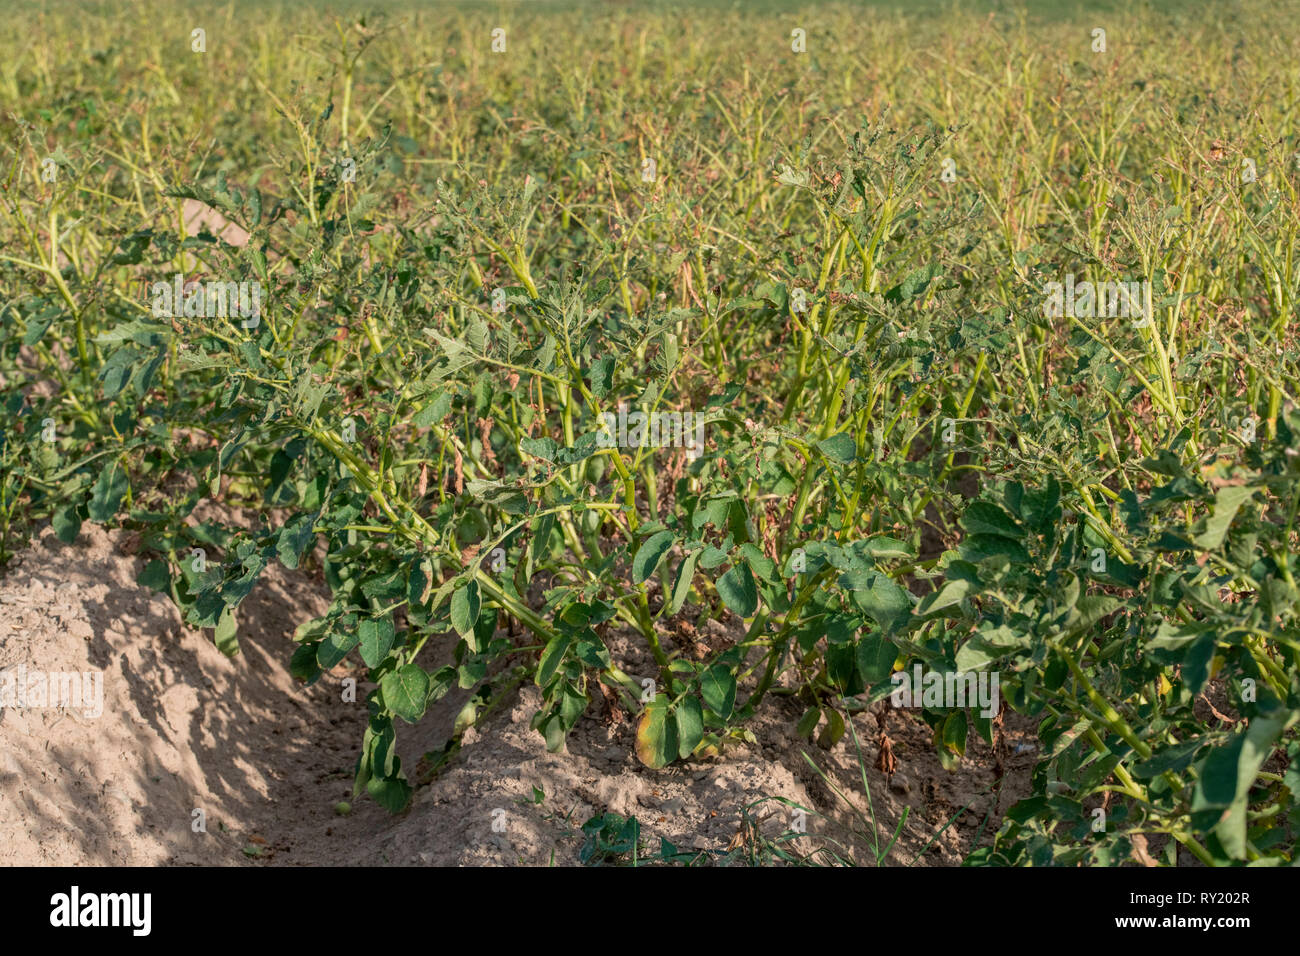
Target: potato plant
{"points": [[554, 348]]}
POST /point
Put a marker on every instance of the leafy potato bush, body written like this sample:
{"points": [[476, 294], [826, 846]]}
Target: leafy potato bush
{"points": [[487, 261]]}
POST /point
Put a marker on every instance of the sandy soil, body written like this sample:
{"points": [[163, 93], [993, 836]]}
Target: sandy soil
{"points": [[266, 760]]}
